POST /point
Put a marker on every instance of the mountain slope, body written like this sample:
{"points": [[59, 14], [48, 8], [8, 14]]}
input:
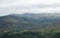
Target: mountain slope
{"points": [[29, 21]]}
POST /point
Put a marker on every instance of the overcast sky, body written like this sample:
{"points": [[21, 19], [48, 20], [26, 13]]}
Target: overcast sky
{"points": [[29, 6]]}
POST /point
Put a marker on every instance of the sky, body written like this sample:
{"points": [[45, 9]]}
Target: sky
{"points": [[29, 6]]}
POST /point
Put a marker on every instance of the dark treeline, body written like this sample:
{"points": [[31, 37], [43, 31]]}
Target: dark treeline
{"points": [[30, 34]]}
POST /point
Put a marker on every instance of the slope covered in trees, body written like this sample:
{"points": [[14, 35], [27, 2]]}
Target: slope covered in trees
{"points": [[30, 26], [33, 22], [29, 34]]}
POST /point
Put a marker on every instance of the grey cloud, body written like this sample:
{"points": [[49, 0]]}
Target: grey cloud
{"points": [[40, 6], [48, 6], [7, 7], [28, 6], [21, 7], [7, 1]]}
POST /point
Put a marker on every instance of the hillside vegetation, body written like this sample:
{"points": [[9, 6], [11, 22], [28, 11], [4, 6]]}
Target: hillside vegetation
{"points": [[28, 25]]}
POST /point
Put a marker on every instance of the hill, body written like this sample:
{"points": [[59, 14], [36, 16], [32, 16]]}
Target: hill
{"points": [[28, 21]]}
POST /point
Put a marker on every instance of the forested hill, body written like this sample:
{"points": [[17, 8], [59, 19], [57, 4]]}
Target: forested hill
{"points": [[29, 21]]}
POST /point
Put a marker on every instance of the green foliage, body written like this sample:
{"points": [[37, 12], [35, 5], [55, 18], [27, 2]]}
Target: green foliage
{"points": [[30, 26], [29, 34], [29, 22]]}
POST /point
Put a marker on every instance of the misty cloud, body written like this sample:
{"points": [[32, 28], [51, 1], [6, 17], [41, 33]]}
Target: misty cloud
{"points": [[29, 6]]}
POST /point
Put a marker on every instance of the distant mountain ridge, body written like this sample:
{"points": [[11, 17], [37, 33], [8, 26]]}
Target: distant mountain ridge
{"points": [[30, 21]]}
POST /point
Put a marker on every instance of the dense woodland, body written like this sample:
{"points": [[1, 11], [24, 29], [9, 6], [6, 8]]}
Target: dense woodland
{"points": [[30, 34], [30, 26]]}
